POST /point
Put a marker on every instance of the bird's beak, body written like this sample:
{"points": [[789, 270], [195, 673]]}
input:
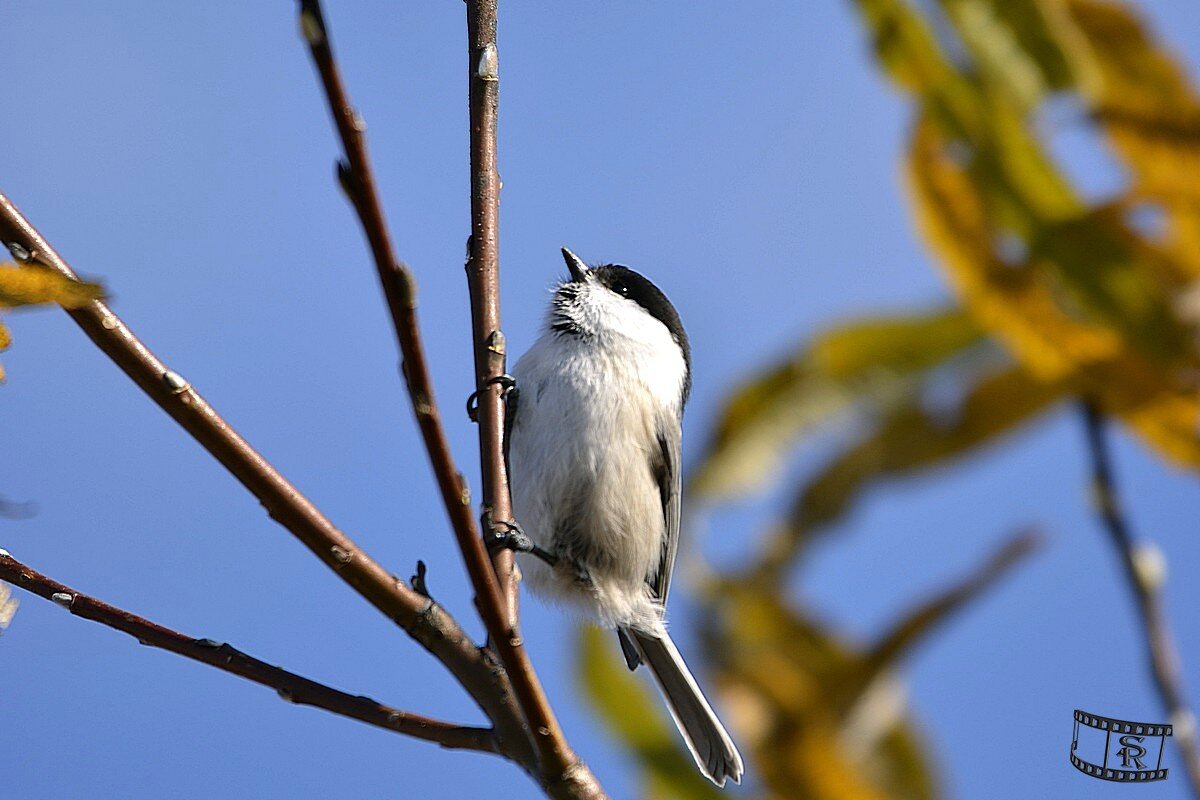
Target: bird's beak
{"points": [[579, 270]]}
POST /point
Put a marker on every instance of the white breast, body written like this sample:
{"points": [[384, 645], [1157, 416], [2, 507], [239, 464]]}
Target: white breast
{"points": [[581, 450]]}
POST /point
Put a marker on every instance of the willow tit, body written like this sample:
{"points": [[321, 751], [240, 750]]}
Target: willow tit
{"points": [[594, 452]]}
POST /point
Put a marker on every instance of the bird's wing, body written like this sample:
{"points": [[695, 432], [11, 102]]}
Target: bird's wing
{"points": [[511, 403], [668, 474]]}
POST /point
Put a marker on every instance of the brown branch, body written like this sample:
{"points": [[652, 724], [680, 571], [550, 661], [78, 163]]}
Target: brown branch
{"points": [[1145, 583], [423, 619], [291, 687], [562, 770], [358, 182], [559, 769], [483, 277]]}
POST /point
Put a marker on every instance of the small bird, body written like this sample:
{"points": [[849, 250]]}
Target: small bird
{"points": [[594, 454]]}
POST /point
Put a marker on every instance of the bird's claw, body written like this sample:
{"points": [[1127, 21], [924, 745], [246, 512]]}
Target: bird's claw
{"points": [[508, 384], [509, 535]]}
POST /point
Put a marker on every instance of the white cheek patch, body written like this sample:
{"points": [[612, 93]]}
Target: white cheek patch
{"points": [[636, 341]]}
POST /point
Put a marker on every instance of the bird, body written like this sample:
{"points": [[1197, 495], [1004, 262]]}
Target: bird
{"points": [[593, 440]]}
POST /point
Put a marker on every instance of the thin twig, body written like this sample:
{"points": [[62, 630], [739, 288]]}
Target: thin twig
{"points": [[290, 686], [561, 768], [483, 277], [358, 182], [424, 620], [1145, 580]]}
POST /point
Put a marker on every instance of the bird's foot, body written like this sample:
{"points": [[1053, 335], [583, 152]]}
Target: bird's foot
{"points": [[509, 535]]}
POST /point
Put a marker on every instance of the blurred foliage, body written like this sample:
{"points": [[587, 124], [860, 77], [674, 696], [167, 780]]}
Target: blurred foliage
{"points": [[820, 718], [877, 362], [30, 284], [1061, 295]]}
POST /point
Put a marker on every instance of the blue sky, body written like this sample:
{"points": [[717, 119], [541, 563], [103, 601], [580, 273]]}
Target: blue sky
{"points": [[745, 156]]}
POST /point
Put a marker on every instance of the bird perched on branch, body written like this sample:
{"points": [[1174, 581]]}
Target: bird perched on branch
{"points": [[594, 453]]}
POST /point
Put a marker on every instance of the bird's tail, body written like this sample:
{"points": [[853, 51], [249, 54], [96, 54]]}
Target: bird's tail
{"points": [[706, 737]]}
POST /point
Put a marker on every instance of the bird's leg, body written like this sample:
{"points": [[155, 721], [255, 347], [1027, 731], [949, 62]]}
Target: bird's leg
{"points": [[509, 535]]}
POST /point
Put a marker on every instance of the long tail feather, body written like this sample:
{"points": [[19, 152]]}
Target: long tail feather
{"points": [[706, 737]]}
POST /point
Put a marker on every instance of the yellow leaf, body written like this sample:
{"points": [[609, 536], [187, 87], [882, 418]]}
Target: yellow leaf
{"points": [[899, 343], [1030, 307], [828, 719], [1007, 300], [1142, 99], [32, 284], [910, 439], [1094, 300], [1012, 45], [872, 362], [5, 341]]}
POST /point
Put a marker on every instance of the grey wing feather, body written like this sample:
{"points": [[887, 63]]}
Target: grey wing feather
{"points": [[670, 488], [667, 474]]}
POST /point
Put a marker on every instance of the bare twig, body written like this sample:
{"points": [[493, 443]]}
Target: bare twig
{"points": [[559, 769], [1145, 579], [483, 276], [291, 687], [358, 182], [424, 620]]}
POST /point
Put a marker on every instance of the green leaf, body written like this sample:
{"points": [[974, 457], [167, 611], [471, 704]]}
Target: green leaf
{"points": [[908, 51], [903, 344], [1106, 41], [909, 440], [1013, 45], [873, 362]]}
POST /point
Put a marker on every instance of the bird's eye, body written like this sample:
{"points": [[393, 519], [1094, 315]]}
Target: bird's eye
{"points": [[620, 288]]}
